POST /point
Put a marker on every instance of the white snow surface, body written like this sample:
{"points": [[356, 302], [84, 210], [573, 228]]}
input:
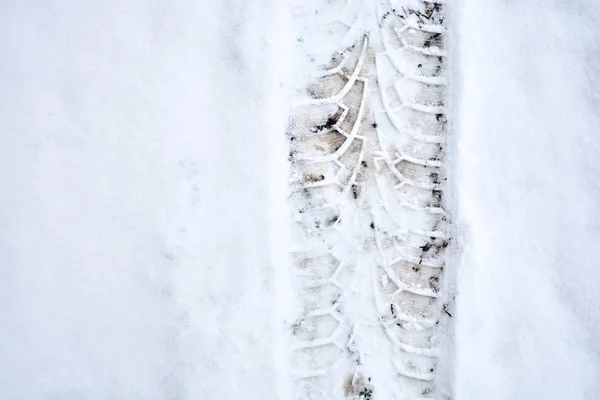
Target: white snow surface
{"points": [[526, 186], [142, 252], [142, 233]]}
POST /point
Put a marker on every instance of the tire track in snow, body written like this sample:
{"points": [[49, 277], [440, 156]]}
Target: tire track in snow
{"points": [[367, 143]]}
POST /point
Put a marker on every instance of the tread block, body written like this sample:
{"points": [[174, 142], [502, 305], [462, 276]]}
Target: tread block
{"points": [[316, 358], [327, 86], [418, 278], [431, 43], [421, 123], [416, 64], [416, 93], [419, 174], [315, 327], [324, 144]]}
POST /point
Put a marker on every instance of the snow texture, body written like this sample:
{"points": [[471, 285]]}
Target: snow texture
{"points": [[368, 178], [527, 189], [143, 235], [142, 252]]}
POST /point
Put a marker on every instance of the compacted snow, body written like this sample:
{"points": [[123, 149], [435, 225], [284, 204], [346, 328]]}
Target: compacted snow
{"points": [[367, 186]]}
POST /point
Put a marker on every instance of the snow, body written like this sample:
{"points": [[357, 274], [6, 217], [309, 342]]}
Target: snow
{"points": [[526, 189], [385, 318], [143, 231], [142, 239]]}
